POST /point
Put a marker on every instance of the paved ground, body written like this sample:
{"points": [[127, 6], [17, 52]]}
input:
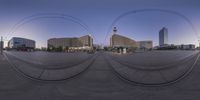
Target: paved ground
{"points": [[156, 76], [99, 82], [50, 58], [155, 58]]}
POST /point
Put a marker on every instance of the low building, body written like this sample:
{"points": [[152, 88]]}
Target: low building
{"points": [[167, 47], [70, 44], [177, 47], [145, 45], [21, 44], [187, 47]]}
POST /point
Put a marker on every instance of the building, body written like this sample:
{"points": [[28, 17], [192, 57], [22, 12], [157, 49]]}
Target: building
{"points": [[122, 44], [187, 47], [117, 40], [145, 45], [64, 42], [177, 47], [163, 36], [122, 41], [75, 43], [167, 47], [87, 41], [21, 44]]}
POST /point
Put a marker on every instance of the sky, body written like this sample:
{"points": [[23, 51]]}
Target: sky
{"points": [[43, 19]]}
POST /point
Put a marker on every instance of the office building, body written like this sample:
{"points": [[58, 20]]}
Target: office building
{"points": [[163, 36], [64, 42], [21, 44], [87, 41], [187, 47], [122, 44], [75, 43], [117, 40], [122, 41], [145, 44]]}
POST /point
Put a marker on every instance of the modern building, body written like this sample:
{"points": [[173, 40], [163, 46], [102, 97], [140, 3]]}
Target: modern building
{"points": [[120, 43], [87, 41], [163, 36], [82, 43], [187, 47], [176, 47], [21, 44], [117, 40], [124, 44], [64, 42], [145, 45]]}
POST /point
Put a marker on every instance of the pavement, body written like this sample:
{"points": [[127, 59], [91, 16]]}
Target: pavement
{"points": [[163, 75], [155, 58], [98, 82], [50, 59], [44, 72]]}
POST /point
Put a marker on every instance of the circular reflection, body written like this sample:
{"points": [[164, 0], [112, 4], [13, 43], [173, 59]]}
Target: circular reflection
{"points": [[50, 46], [152, 46]]}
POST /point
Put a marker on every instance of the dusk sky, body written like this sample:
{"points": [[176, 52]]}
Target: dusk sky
{"points": [[97, 16]]}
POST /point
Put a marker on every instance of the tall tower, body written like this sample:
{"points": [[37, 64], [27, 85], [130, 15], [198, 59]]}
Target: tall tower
{"points": [[163, 36], [115, 30], [90, 40], [111, 38]]}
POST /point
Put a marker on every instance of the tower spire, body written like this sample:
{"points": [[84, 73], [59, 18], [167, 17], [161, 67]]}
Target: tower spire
{"points": [[115, 30]]}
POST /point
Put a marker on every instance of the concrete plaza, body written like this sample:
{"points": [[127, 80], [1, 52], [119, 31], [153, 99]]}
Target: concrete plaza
{"points": [[98, 79]]}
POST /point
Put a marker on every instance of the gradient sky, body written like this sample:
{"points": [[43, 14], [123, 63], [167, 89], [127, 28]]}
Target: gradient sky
{"points": [[99, 15]]}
